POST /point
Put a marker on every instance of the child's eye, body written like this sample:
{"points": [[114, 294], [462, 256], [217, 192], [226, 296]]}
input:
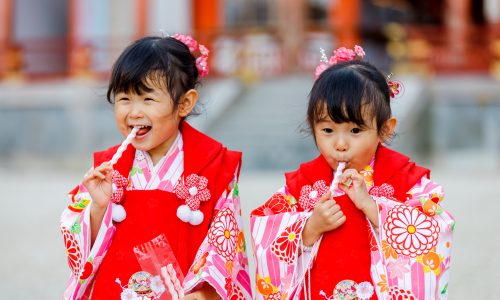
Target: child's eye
{"points": [[356, 130], [148, 99], [122, 99], [327, 130]]}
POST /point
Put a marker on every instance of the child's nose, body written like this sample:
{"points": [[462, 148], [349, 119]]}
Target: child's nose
{"points": [[135, 110], [341, 145]]}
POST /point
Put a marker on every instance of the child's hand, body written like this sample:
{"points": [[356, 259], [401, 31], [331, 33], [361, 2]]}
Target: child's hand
{"points": [[326, 216], [353, 184], [99, 184]]}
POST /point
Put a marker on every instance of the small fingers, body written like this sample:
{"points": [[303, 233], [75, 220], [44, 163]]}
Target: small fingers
{"points": [[89, 172], [325, 197], [340, 221]]}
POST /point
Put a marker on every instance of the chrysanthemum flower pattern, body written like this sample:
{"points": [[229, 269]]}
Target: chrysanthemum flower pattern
{"points": [[223, 234], [410, 232], [285, 246], [279, 203], [73, 251]]}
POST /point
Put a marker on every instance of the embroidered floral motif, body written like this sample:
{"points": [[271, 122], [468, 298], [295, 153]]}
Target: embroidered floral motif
{"points": [[309, 195], [274, 296], [157, 285], [396, 293], [373, 240], [430, 205], [240, 244], [398, 268], [72, 251], [350, 290], [194, 191], [199, 264], [388, 250], [285, 245], [142, 285], [410, 232], [119, 185], [279, 203], [367, 173], [223, 233], [236, 293], [431, 262], [128, 294], [88, 268], [385, 190], [364, 290], [346, 289], [264, 286], [79, 205], [382, 284]]}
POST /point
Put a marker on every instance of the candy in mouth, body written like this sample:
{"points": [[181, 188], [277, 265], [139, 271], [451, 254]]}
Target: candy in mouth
{"points": [[143, 129]]}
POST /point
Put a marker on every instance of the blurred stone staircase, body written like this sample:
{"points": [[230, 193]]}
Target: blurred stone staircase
{"points": [[265, 123]]}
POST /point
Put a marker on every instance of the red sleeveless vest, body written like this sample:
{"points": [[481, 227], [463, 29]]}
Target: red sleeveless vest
{"points": [[153, 212], [344, 253]]}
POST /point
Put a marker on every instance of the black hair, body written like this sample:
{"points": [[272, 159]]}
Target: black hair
{"points": [[347, 89], [164, 60]]}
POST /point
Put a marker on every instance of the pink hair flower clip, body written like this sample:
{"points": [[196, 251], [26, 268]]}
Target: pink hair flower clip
{"points": [[341, 54], [198, 50], [396, 88]]}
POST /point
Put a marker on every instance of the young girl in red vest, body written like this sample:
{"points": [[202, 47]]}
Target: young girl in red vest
{"points": [[170, 197], [380, 233]]}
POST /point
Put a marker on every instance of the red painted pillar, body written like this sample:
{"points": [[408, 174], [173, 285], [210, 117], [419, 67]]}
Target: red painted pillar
{"points": [[207, 20], [458, 22], [79, 53], [141, 17], [344, 18], [8, 61], [207, 16]]}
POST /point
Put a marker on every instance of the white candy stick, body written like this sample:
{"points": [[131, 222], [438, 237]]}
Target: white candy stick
{"points": [[168, 282], [124, 145], [336, 177], [175, 280]]}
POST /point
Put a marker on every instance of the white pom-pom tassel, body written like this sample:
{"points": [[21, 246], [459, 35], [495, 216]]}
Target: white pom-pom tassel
{"points": [[196, 218], [184, 213], [118, 213]]}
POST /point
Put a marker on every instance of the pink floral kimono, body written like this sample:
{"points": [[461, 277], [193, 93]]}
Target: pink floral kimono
{"points": [[197, 173], [406, 257]]}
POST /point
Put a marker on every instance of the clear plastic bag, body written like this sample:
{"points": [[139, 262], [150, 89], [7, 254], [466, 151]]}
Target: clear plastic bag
{"points": [[157, 258]]}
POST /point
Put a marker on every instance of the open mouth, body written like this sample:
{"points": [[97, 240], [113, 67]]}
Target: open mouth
{"points": [[143, 130]]}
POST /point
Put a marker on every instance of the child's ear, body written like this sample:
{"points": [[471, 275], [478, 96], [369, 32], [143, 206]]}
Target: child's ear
{"points": [[187, 103], [389, 127]]}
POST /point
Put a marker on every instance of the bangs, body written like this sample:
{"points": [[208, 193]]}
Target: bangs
{"points": [[153, 62], [136, 72], [127, 82], [339, 99]]}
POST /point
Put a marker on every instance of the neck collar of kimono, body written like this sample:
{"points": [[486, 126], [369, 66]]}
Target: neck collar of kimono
{"points": [[199, 149]]}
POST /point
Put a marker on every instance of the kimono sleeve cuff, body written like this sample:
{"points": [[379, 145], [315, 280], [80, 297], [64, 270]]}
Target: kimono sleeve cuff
{"points": [[104, 228], [206, 279]]}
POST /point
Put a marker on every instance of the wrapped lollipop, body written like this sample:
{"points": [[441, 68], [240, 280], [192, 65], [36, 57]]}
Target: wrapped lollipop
{"points": [[336, 178], [118, 212]]}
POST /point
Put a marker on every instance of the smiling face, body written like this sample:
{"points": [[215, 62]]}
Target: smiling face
{"points": [[153, 110], [349, 142]]}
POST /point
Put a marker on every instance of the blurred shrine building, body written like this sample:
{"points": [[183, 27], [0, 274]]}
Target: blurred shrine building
{"points": [[251, 39]]}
